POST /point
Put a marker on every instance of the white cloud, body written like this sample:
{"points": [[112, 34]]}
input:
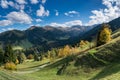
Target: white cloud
{"points": [[34, 1], [5, 23], [4, 4], [67, 24], [21, 1], [56, 12], [43, 1], [16, 17], [10, 28], [6, 29], [19, 7], [38, 20], [111, 12], [11, 3], [72, 13], [19, 17], [42, 12]]}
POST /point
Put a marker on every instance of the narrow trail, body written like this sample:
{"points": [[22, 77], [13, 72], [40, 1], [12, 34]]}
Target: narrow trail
{"points": [[35, 69]]}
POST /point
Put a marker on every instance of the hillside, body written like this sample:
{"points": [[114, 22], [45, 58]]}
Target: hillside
{"points": [[43, 37], [104, 59], [114, 25], [100, 63], [48, 37]]}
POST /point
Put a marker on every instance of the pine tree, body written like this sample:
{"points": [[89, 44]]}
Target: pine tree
{"points": [[36, 57], [9, 56], [104, 35], [1, 56], [21, 57]]}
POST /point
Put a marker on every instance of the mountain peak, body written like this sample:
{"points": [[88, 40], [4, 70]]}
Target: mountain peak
{"points": [[32, 27]]}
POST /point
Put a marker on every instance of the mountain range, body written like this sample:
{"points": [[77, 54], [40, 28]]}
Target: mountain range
{"points": [[48, 37]]}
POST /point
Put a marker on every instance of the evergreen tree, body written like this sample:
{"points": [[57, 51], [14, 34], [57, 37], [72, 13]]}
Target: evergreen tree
{"points": [[104, 35], [36, 57], [1, 56], [21, 57], [9, 56]]}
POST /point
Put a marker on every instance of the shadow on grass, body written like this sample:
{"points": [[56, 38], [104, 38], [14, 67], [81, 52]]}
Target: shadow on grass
{"points": [[107, 71], [61, 62]]}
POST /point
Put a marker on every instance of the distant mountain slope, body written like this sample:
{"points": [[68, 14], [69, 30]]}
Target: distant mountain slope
{"points": [[12, 36], [115, 24], [47, 37]]}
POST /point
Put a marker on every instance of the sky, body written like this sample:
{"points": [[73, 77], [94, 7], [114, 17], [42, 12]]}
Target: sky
{"points": [[22, 14]]}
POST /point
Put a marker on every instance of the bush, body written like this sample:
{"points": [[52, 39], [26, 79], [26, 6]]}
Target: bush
{"points": [[17, 61], [10, 66], [30, 56]]}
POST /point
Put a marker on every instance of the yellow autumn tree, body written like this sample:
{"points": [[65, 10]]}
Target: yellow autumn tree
{"points": [[64, 51], [82, 43], [60, 53], [104, 35]]}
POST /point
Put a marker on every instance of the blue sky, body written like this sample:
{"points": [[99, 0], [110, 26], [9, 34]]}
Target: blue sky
{"points": [[21, 14]]}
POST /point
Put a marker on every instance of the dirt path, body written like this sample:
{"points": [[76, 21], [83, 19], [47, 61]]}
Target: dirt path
{"points": [[33, 69]]}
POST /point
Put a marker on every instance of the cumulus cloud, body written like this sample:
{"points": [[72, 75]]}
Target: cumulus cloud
{"points": [[5, 23], [16, 17], [43, 1], [111, 12], [72, 13], [34, 1], [19, 17], [42, 12], [6, 29], [56, 12], [11, 3], [19, 7], [67, 24], [21, 1], [38, 20], [6, 4]]}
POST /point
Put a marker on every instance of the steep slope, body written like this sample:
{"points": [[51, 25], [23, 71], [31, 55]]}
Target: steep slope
{"points": [[101, 63], [12, 36], [48, 37], [43, 37], [114, 24]]}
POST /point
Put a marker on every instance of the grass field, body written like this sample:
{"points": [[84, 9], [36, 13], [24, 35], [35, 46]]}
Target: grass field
{"points": [[29, 64]]}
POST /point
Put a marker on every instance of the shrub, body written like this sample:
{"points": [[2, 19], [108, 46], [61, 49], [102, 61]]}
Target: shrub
{"points": [[10, 66], [30, 56], [17, 61]]}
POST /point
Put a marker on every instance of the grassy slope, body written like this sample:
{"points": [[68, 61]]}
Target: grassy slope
{"points": [[106, 58], [23, 45], [30, 64], [84, 71], [6, 75]]}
